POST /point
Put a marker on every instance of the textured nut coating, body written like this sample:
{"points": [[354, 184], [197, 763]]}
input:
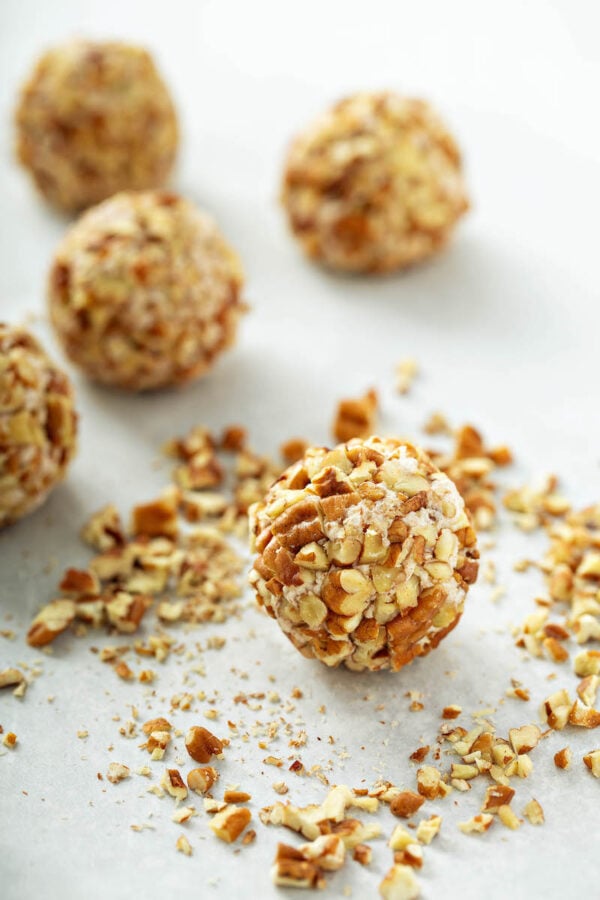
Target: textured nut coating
{"points": [[93, 119], [144, 291], [375, 184], [38, 424], [364, 554]]}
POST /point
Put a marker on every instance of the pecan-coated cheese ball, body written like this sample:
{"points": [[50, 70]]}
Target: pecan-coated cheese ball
{"points": [[38, 424], [375, 184], [144, 291], [365, 554], [95, 118]]}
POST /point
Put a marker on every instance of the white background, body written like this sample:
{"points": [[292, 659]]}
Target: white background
{"points": [[505, 326]]}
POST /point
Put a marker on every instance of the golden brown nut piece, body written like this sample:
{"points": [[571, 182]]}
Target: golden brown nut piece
{"points": [[375, 184], [144, 291], [38, 424], [95, 118], [365, 554]]}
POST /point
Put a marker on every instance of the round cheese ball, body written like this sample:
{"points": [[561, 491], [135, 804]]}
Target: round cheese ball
{"points": [[365, 554], [144, 292], [38, 424], [374, 185], [95, 118]]}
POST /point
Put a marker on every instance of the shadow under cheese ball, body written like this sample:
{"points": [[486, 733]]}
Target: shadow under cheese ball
{"points": [[144, 292], [365, 554], [38, 424], [95, 118], [375, 184]]}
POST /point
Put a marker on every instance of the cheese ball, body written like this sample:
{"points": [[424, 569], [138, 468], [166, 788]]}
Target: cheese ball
{"points": [[374, 185], [38, 424], [144, 292], [95, 118], [365, 554]]}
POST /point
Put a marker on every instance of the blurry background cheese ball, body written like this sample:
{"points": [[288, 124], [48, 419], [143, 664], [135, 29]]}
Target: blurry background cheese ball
{"points": [[95, 118], [375, 184], [144, 292], [38, 424], [365, 554]]}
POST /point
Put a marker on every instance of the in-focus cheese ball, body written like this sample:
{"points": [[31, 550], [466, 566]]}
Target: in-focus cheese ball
{"points": [[95, 118], [374, 185], [38, 424], [144, 292], [365, 554]]}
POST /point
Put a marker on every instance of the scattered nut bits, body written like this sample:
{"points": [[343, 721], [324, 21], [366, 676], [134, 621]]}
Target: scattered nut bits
{"points": [[525, 738], [10, 740], [202, 744], [51, 621], [592, 761], [153, 308], [12, 678], [477, 825], [354, 418], [38, 424], [406, 372], [427, 829], [183, 845], [562, 759], [508, 817], [470, 466], [291, 869], [406, 803], [343, 565], [230, 822], [534, 813], [174, 784], [122, 580], [373, 185], [117, 772], [400, 883], [533, 507], [202, 779]]}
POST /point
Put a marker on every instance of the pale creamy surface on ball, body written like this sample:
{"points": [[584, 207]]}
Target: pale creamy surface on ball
{"points": [[95, 118], [38, 424], [365, 554], [375, 184], [144, 291]]}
